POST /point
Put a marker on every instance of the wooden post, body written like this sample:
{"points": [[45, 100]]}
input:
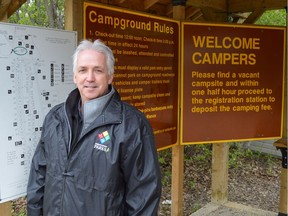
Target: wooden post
{"points": [[178, 150], [177, 180], [68, 7], [74, 17], [283, 193], [282, 144], [283, 202], [5, 209], [220, 172], [283, 206], [4, 17]]}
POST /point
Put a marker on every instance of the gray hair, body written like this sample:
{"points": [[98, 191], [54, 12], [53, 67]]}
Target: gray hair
{"points": [[97, 46]]}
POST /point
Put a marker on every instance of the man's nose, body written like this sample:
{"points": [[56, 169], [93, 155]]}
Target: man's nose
{"points": [[90, 76]]}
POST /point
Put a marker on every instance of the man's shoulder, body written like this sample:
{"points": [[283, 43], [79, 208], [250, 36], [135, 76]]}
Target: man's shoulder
{"points": [[129, 108], [131, 112], [57, 108]]}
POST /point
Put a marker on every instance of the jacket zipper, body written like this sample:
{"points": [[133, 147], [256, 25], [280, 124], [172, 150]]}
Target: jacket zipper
{"points": [[67, 162], [70, 151]]}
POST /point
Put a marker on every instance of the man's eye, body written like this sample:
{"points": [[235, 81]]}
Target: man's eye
{"points": [[98, 71]]}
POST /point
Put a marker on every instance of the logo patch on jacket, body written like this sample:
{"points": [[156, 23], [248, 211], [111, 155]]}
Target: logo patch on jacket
{"points": [[103, 137]]}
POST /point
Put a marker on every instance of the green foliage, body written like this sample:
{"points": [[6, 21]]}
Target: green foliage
{"points": [[166, 177], [235, 153], [19, 207], [196, 207], [21, 214], [273, 17], [200, 153], [30, 14], [192, 184], [165, 157], [40, 13], [238, 153]]}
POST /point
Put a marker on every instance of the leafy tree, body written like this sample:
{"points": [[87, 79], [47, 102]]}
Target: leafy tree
{"points": [[273, 17], [45, 13], [50, 13]]}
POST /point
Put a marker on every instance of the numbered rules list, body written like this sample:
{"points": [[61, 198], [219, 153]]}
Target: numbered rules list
{"points": [[146, 51]]}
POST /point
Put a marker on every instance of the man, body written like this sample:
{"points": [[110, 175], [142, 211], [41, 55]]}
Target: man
{"points": [[96, 155]]}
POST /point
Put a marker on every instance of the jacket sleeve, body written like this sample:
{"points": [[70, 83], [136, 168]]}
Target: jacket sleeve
{"points": [[36, 182], [142, 174]]}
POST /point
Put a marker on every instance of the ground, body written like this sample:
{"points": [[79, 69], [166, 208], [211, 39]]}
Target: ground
{"points": [[253, 180]]}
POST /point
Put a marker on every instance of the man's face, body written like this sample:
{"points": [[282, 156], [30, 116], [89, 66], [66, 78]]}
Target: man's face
{"points": [[91, 75]]}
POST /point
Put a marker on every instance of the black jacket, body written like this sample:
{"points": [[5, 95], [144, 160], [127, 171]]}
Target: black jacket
{"points": [[112, 170]]}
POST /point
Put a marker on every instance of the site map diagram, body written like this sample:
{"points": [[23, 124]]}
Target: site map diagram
{"points": [[36, 74]]}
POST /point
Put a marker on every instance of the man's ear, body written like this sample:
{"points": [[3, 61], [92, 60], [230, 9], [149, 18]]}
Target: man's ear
{"points": [[74, 78], [110, 79]]}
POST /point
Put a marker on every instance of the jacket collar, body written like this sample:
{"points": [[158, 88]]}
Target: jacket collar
{"points": [[112, 112], [94, 108]]}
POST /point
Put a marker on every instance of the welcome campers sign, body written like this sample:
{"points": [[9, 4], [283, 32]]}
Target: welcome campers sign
{"points": [[232, 83]]}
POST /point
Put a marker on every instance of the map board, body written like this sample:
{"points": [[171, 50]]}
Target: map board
{"points": [[146, 50], [36, 74], [232, 83]]}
